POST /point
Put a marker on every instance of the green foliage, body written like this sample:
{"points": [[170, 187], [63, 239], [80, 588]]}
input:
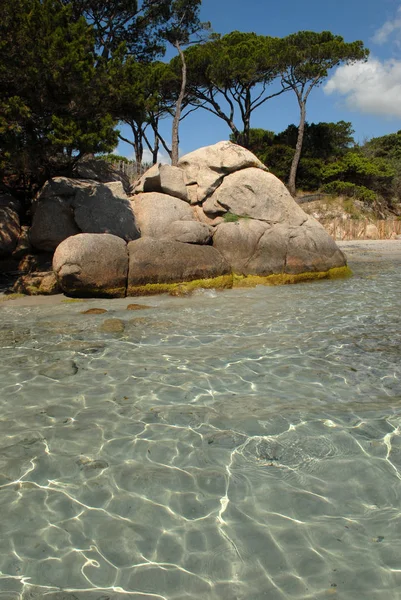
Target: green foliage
{"points": [[386, 146], [136, 26], [183, 21], [143, 94], [51, 96], [277, 158], [309, 175], [114, 158], [346, 188], [374, 173], [225, 75], [230, 217], [308, 57], [321, 140]]}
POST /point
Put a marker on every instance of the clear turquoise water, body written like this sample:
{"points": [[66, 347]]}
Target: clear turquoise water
{"points": [[240, 445]]}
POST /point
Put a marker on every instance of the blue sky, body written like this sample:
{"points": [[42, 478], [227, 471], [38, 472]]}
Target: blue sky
{"points": [[368, 95]]}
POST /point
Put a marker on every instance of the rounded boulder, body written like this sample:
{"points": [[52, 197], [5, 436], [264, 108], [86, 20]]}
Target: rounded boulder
{"points": [[92, 265]]}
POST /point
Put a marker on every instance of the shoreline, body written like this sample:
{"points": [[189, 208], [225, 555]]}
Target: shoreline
{"points": [[355, 251], [371, 250]]}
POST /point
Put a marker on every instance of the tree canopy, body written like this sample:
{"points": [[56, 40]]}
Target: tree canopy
{"points": [[138, 25], [230, 77], [308, 57], [51, 105]]}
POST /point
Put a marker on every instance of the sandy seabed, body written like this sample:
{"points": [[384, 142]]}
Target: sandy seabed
{"points": [[355, 251]]}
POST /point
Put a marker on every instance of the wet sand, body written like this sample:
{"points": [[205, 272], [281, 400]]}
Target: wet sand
{"points": [[355, 251]]}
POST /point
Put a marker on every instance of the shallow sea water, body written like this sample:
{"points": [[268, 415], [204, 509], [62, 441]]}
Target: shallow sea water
{"points": [[242, 445]]}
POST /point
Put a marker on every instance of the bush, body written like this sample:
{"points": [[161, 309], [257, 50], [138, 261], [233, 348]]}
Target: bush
{"points": [[351, 190]]}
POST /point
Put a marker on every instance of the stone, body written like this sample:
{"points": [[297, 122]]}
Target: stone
{"points": [[138, 306], [206, 167], [31, 263], [105, 209], [65, 207], [256, 248], [165, 179], [155, 212], [90, 264], [237, 242], [372, 232], [38, 283], [59, 370], [94, 311], [154, 261], [112, 326], [189, 232], [100, 170], [311, 249], [10, 227], [6, 200], [53, 214], [201, 216], [256, 194], [271, 252], [24, 246], [53, 222]]}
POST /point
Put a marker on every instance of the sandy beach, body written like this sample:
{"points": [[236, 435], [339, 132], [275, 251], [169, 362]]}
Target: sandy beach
{"points": [[371, 250], [355, 251]]}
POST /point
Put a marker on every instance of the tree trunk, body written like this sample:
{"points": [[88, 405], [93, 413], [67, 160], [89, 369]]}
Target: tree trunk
{"points": [[247, 120], [298, 149], [175, 135], [155, 151], [138, 145]]}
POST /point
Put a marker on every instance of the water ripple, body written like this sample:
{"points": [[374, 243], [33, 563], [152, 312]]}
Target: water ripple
{"points": [[223, 446]]}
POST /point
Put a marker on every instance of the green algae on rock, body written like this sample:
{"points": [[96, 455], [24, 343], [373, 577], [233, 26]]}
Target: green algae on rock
{"points": [[182, 288], [289, 278]]}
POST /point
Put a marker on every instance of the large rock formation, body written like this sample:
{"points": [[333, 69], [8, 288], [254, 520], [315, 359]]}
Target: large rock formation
{"points": [[219, 213]]}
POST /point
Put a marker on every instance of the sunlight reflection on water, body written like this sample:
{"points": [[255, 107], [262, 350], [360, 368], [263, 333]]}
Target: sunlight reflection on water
{"points": [[239, 445]]}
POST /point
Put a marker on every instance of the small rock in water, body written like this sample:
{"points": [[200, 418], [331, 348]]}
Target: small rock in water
{"points": [[94, 311], [112, 326], [79, 346], [138, 307], [87, 463], [59, 370]]}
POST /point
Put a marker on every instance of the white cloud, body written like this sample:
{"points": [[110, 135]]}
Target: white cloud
{"points": [[161, 157], [383, 34], [372, 87]]}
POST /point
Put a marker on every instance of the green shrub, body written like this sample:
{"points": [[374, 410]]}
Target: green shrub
{"points": [[114, 158], [231, 217], [346, 188]]}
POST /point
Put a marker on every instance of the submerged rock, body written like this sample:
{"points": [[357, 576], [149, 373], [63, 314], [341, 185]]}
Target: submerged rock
{"points": [[59, 370], [112, 326]]}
